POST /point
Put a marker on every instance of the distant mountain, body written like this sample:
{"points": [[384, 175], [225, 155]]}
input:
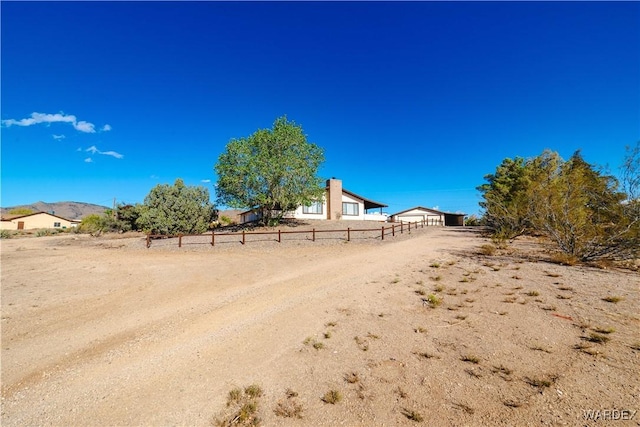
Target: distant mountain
{"points": [[68, 210]]}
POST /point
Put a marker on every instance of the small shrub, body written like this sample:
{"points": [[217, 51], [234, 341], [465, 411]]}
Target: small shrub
{"points": [[434, 300], [318, 345], [612, 299], [564, 259], [5, 234], [487, 250], [290, 407], [533, 293], [598, 338], [604, 330], [412, 415], [539, 383], [470, 358], [332, 397], [435, 265], [327, 335], [330, 324], [352, 377], [438, 288], [421, 292]]}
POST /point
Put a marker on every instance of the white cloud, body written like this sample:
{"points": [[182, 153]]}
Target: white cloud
{"points": [[94, 150], [59, 137], [437, 208], [112, 153], [85, 127], [205, 180], [37, 118], [106, 128], [88, 160]]}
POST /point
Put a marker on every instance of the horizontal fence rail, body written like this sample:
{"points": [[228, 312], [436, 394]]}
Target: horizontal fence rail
{"points": [[211, 238]]}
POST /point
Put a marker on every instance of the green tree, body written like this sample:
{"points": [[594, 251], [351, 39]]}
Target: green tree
{"points": [[123, 218], [93, 224], [506, 204], [577, 206], [176, 209], [272, 171]]}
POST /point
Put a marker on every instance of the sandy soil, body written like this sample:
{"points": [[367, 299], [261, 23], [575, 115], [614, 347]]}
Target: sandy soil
{"points": [[101, 331]]}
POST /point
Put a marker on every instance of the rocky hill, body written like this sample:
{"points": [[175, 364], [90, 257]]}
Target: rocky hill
{"points": [[68, 210]]}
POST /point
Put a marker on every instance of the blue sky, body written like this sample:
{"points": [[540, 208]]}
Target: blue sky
{"points": [[412, 102]]}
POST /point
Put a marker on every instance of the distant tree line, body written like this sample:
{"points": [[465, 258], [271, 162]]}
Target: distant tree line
{"points": [[585, 212]]}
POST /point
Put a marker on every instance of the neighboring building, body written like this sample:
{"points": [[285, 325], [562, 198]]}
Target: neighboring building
{"points": [[337, 203], [430, 216], [35, 220]]}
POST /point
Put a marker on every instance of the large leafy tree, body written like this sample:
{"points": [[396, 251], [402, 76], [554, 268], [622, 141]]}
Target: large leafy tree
{"points": [[577, 206], [176, 209], [273, 171]]}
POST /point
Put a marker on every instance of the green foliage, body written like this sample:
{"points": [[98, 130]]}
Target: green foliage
{"points": [[5, 234], [273, 170], [92, 224], [175, 209], [576, 205], [21, 211], [506, 199], [123, 219]]}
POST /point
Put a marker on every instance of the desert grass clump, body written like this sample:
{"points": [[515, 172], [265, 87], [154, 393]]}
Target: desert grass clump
{"points": [[433, 300], [539, 382], [421, 292], [612, 299], [361, 343], [352, 377], [289, 407], [470, 358], [598, 338], [487, 250], [243, 407], [330, 324], [564, 259], [412, 415], [434, 265], [332, 397], [436, 278], [533, 293], [604, 330], [318, 345]]}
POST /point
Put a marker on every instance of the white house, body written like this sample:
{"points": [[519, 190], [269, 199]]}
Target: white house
{"points": [[429, 216], [34, 221], [337, 203]]}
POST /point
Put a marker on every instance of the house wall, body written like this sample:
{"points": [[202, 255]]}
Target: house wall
{"points": [[417, 215], [298, 213], [41, 220], [349, 199]]}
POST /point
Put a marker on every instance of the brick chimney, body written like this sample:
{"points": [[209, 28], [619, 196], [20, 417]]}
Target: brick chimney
{"points": [[334, 199]]}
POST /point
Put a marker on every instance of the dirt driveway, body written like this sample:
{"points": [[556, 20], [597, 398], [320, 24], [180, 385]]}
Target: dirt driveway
{"points": [[421, 327]]}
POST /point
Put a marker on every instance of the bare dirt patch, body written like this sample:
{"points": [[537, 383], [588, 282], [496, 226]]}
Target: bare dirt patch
{"points": [[100, 331]]}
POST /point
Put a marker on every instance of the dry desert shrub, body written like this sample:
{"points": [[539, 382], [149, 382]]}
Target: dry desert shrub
{"points": [[332, 397], [242, 408], [289, 407]]}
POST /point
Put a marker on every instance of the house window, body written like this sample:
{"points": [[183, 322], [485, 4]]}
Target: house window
{"points": [[349, 209], [56, 225], [314, 208]]}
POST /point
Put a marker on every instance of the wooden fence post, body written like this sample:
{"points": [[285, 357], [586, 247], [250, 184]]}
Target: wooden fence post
{"points": [[179, 240], [401, 227], [279, 237], [348, 234], [409, 225], [243, 237], [148, 241], [213, 238], [382, 235], [313, 233], [393, 230]]}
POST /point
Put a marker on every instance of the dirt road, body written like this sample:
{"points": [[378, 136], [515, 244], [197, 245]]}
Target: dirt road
{"points": [[106, 332]]}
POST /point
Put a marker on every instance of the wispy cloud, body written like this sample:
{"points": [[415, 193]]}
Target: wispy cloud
{"points": [[94, 150], [205, 180], [58, 137], [106, 128], [37, 118], [88, 160]]}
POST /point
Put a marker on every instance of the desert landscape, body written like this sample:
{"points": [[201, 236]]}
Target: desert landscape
{"points": [[433, 326]]}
